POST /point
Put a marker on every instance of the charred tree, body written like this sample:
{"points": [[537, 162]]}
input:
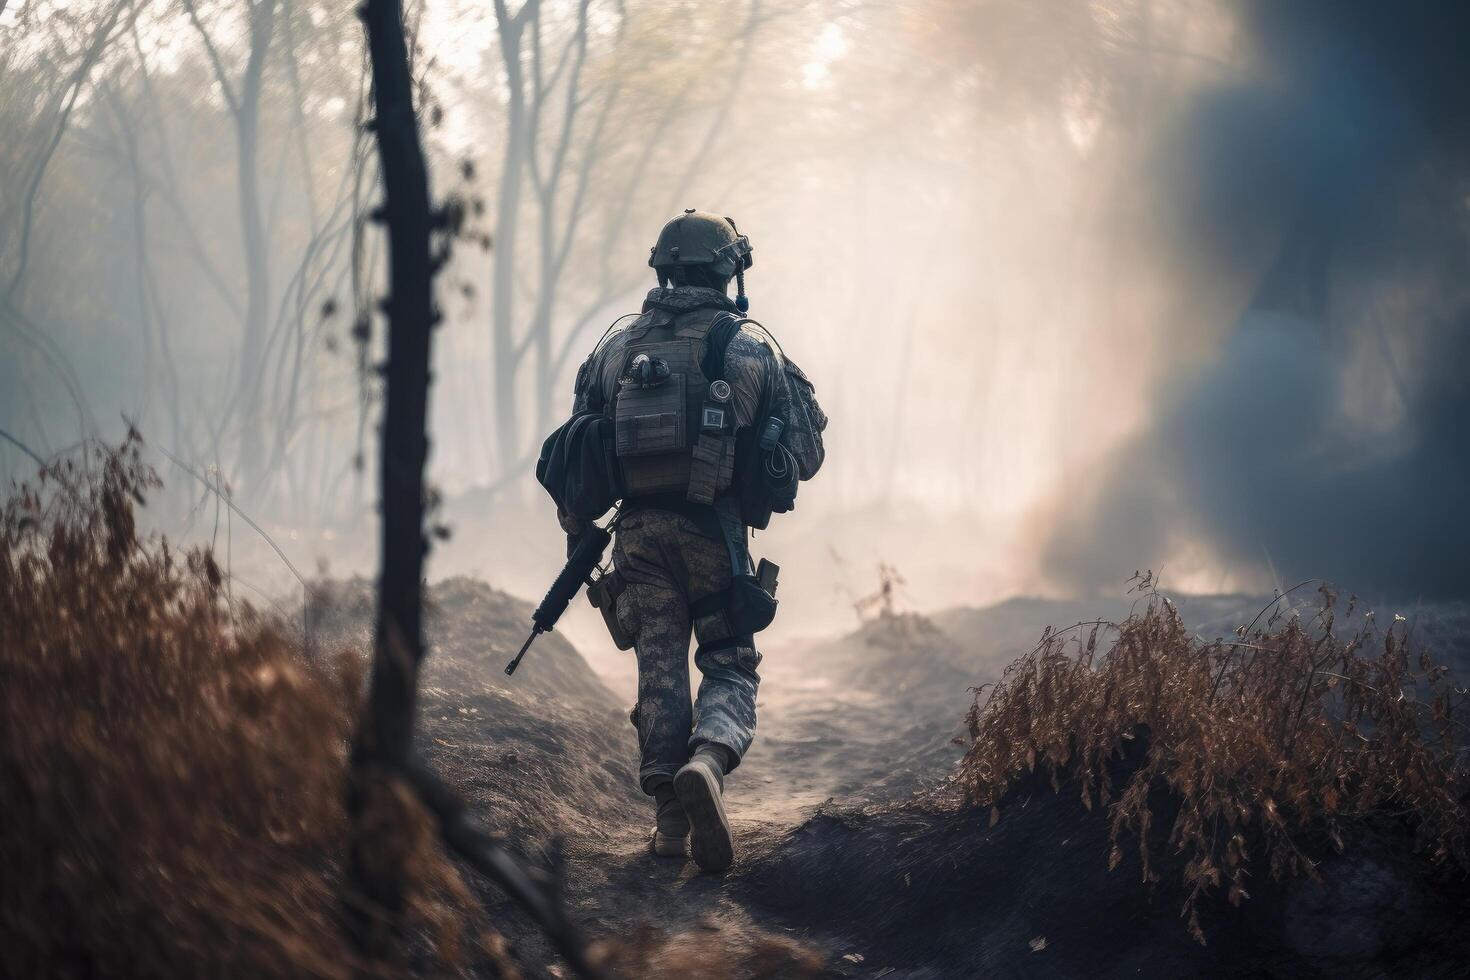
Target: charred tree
{"points": [[409, 307], [384, 743], [383, 751]]}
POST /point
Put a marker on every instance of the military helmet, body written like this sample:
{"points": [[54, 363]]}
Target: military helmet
{"points": [[702, 238]]}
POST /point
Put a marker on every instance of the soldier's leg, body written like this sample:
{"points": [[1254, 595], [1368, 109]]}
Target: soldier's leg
{"points": [[659, 622], [724, 724], [653, 610], [724, 711]]}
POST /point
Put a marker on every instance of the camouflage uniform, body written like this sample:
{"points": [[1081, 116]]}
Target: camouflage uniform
{"points": [[670, 560]]}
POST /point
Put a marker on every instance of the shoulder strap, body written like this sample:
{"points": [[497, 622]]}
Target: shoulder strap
{"points": [[723, 330]]}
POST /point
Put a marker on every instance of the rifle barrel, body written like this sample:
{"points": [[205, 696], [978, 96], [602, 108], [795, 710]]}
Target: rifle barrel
{"points": [[510, 668]]}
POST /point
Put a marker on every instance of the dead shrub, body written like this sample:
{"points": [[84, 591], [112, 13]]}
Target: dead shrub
{"points": [[1287, 735], [173, 771]]}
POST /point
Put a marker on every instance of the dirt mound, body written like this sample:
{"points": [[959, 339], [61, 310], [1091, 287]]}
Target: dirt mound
{"points": [[544, 754], [928, 890], [992, 636], [895, 690], [1106, 802]]}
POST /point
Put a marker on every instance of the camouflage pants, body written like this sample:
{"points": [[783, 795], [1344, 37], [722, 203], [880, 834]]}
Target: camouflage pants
{"points": [[668, 562]]}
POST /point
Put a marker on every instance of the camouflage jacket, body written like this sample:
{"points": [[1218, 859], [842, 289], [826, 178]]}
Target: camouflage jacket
{"points": [[755, 367]]}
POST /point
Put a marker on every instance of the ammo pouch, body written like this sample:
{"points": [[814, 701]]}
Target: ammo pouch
{"points": [[749, 605], [752, 601], [603, 594]]}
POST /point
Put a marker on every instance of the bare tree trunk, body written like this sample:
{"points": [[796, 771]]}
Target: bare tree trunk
{"points": [[257, 268], [384, 746], [384, 741], [548, 366], [59, 108], [502, 310], [244, 104]]}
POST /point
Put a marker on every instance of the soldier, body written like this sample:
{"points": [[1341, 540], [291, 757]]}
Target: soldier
{"points": [[713, 427]]}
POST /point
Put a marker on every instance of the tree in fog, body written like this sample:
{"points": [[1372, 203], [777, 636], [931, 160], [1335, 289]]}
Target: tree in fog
{"points": [[611, 111]]}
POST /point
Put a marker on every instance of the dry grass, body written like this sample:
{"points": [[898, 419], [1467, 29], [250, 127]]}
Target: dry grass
{"points": [[1287, 737], [173, 774]]}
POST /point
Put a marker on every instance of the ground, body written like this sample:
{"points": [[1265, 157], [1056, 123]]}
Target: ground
{"points": [[846, 837]]}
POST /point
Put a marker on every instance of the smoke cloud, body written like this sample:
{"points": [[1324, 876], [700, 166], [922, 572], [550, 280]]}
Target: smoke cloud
{"points": [[1326, 433]]}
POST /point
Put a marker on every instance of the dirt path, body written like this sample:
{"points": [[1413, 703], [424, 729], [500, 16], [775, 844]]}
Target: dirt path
{"points": [[549, 756], [819, 740]]}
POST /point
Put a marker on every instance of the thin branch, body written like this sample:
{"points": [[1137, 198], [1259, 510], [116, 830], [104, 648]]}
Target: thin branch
{"points": [[12, 439], [168, 188], [214, 59], [53, 355], [90, 56], [243, 516]]}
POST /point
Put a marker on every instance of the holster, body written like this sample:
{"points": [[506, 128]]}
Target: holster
{"points": [[603, 594]]}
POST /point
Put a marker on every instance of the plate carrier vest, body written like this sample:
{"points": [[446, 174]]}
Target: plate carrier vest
{"points": [[674, 435]]}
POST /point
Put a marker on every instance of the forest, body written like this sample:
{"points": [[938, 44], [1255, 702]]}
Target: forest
{"points": [[1123, 632]]}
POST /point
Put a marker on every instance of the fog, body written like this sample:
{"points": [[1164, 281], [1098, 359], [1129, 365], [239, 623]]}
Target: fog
{"points": [[1084, 287]]}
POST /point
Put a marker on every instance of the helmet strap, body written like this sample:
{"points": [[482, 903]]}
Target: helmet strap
{"points": [[742, 302]]}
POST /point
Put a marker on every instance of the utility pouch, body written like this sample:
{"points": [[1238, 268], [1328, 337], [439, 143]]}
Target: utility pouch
{"points": [[752, 608], [603, 593], [650, 421], [711, 468], [651, 437], [749, 604]]}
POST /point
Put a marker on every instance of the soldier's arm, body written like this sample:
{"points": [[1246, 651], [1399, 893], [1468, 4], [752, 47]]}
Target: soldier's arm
{"points": [[749, 365], [805, 420], [757, 373]]}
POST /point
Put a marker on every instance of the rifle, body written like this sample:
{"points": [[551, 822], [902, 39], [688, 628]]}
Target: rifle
{"points": [[584, 560]]}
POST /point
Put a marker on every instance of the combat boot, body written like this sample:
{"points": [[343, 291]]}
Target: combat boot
{"points": [[699, 786], [671, 832]]}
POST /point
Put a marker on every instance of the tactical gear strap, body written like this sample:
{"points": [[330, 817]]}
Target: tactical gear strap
{"points": [[703, 515], [712, 462], [711, 468]]}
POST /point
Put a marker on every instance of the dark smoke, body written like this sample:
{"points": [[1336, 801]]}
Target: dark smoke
{"points": [[1337, 179]]}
